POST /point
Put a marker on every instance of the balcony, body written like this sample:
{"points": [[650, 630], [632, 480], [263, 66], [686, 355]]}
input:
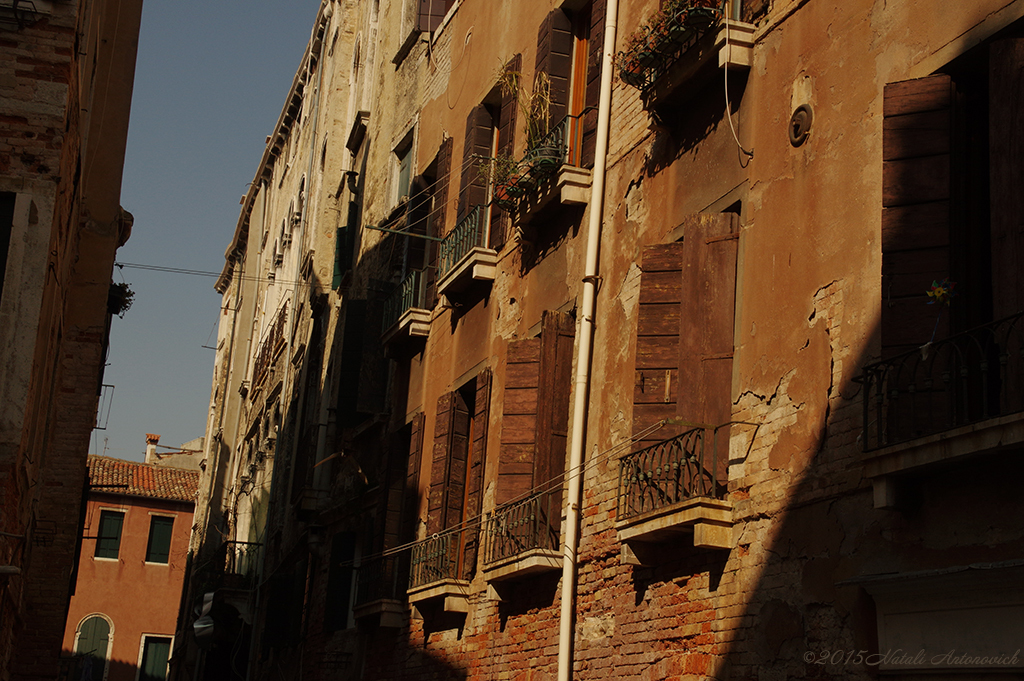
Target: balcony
{"points": [[674, 53], [436, 572], [405, 314], [673, 488], [234, 566], [523, 538], [272, 344], [464, 257], [944, 401], [550, 169], [379, 592]]}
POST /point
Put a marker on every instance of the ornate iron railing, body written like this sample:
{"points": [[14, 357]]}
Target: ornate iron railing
{"points": [[241, 558], [234, 565], [561, 146], [267, 349], [654, 47], [436, 558], [534, 523], [966, 378], [668, 473], [408, 295], [381, 579], [466, 235]]}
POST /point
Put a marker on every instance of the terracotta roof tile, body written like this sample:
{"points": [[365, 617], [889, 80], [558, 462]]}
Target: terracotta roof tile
{"points": [[116, 476]]}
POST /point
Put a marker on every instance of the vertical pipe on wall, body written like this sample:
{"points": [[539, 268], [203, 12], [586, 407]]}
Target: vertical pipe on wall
{"points": [[575, 470]]}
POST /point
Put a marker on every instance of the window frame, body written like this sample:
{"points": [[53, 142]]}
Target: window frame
{"points": [[143, 639]]}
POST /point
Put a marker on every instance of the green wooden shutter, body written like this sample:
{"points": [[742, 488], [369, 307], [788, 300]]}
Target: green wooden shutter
{"points": [[108, 539], [158, 549], [93, 637], [155, 652]]}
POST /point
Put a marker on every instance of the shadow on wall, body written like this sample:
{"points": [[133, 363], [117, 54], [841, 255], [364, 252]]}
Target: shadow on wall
{"points": [[85, 668]]}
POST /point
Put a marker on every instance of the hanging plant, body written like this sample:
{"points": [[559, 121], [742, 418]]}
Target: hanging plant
{"points": [[120, 297]]}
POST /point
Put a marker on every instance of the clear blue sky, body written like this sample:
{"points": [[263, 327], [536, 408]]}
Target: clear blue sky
{"points": [[210, 82]]}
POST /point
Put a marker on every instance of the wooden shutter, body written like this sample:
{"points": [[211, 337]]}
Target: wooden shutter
{"points": [[506, 124], [1006, 149], [916, 209], [158, 549], [519, 420], [475, 469], [432, 13], [439, 464], [535, 415], [558, 333], [437, 224], [554, 57], [596, 47], [685, 331], [479, 134], [411, 503]]}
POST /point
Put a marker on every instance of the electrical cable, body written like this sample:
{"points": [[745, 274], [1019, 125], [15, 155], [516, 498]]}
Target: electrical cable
{"points": [[728, 112]]}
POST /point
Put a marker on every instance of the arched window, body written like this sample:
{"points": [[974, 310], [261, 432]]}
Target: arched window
{"points": [[92, 643]]}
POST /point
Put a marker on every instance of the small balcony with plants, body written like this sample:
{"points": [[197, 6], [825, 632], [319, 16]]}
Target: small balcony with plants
{"points": [[380, 591], [438, 570], [405, 313], [464, 257], [674, 488], [522, 538], [940, 403], [548, 170], [674, 53]]}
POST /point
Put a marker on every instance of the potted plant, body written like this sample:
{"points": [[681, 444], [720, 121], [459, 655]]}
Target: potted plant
{"points": [[699, 14], [502, 174], [119, 299]]}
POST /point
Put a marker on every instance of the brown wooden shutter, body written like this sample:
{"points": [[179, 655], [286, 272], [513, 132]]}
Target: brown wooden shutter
{"points": [[535, 416], [432, 13], [437, 500], [519, 420], [558, 333], [437, 224], [685, 331], [412, 478], [479, 135], [500, 219], [596, 47], [916, 209], [554, 57], [475, 472], [1006, 149]]}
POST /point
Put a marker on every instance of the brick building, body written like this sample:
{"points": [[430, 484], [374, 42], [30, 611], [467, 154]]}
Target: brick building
{"points": [[65, 93], [638, 357], [131, 567]]}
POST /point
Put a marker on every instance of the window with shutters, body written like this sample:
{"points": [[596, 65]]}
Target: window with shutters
{"points": [[675, 480], [108, 538], [156, 651], [951, 205], [158, 547], [447, 559], [92, 643], [403, 168], [522, 534]]}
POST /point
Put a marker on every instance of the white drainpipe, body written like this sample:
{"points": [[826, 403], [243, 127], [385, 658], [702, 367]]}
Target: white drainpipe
{"points": [[575, 470]]}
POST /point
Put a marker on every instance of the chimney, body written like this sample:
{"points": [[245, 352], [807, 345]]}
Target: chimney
{"points": [[151, 443]]}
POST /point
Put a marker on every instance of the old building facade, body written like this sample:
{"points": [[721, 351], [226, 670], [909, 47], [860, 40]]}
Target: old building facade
{"points": [[135, 539], [662, 340], [65, 94]]}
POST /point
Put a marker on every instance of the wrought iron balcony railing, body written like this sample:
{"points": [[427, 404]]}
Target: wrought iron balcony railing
{"points": [[969, 377], [437, 558], [234, 565], [273, 339], [381, 579], [514, 529], [669, 472], [466, 235], [657, 45], [409, 294]]}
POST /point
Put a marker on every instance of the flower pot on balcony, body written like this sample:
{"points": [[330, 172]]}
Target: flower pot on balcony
{"points": [[543, 161], [699, 18]]}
